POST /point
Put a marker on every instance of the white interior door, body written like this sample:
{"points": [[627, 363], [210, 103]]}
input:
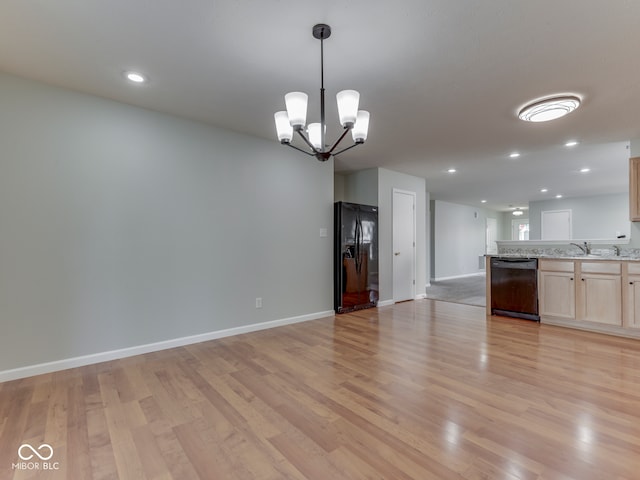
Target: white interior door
{"points": [[556, 225], [404, 245]]}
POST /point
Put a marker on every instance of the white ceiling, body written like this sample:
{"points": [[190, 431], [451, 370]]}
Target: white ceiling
{"points": [[441, 78]]}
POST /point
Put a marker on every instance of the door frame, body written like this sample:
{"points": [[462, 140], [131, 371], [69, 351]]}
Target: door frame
{"points": [[413, 253]]}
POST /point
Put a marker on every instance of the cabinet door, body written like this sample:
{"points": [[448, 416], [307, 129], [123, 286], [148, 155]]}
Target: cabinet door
{"points": [[601, 298], [557, 295], [633, 302]]}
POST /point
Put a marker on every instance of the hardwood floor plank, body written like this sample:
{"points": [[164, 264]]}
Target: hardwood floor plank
{"points": [[420, 390]]}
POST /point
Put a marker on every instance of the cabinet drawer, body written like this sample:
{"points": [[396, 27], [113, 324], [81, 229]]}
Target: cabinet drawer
{"points": [[634, 268], [556, 265], [613, 268]]}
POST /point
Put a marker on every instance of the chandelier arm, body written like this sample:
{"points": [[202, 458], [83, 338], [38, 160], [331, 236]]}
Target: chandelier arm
{"points": [[346, 130], [306, 140], [301, 150], [348, 148], [322, 117]]}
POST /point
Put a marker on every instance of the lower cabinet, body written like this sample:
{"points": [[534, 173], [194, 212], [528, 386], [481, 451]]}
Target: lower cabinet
{"points": [[633, 302], [586, 293], [557, 294], [600, 298]]}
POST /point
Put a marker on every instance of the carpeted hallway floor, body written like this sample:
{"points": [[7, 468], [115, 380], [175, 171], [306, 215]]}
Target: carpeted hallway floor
{"points": [[468, 290]]}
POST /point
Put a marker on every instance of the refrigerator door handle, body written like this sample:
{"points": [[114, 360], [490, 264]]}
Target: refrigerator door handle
{"points": [[357, 246]]}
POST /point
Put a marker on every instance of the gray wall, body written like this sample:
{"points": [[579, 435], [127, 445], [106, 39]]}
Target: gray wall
{"points": [[459, 238], [595, 217], [121, 227], [360, 187], [505, 220]]}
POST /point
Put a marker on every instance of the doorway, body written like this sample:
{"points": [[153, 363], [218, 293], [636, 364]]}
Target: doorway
{"points": [[404, 245], [520, 229]]}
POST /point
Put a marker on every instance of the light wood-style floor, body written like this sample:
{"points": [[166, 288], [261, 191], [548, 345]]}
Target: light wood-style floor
{"points": [[417, 391]]}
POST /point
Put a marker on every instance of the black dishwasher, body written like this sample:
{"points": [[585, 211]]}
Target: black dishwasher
{"points": [[514, 287]]}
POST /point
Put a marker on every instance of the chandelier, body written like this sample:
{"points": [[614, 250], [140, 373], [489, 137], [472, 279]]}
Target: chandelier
{"points": [[295, 117]]}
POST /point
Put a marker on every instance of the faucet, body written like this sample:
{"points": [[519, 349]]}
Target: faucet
{"points": [[616, 250], [585, 248]]}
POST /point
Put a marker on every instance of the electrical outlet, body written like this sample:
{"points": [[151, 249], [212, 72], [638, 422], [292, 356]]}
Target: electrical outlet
{"points": [[258, 302]]}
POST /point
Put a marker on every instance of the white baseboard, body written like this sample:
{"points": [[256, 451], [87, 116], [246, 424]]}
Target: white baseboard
{"points": [[420, 296], [385, 303], [39, 369], [466, 275]]}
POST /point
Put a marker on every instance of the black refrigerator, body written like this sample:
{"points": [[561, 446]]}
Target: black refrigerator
{"points": [[355, 257]]}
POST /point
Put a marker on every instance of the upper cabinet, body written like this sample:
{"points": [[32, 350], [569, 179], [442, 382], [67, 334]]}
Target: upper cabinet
{"points": [[634, 189]]}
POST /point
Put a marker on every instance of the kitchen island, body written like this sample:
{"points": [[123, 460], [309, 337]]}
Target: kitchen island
{"points": [[599, 293]]}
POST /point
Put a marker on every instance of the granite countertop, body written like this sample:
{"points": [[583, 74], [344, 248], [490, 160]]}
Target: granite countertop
{"points": [[596, 257]]}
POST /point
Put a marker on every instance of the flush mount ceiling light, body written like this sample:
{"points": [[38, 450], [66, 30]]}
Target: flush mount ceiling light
{"points": [[295, 117], [135, 77], [549, 108], [518, 212]]}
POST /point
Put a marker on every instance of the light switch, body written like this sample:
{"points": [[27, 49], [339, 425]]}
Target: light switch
{"points": [[323, 232]]}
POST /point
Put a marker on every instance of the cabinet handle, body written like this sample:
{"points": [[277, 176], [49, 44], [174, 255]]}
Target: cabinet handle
{"points": [[571, 279], [582, 279], [630, 283]]}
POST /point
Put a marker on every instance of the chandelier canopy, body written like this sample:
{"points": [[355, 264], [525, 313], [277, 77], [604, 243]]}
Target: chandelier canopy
{"points": [[294, 118]]}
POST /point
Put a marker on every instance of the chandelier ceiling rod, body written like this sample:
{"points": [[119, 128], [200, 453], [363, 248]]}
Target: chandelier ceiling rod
{"points": [[294, 118]]}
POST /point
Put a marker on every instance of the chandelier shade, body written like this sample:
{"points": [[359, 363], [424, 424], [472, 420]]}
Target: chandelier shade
{"points": [[283, 127], [361, 127], [348, 101], [294, 118], [296, 103], [314, 130]]}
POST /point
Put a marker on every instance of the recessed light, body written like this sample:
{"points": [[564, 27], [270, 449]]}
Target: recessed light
{"points": [[549, 108], [135, 77], [558, 196], [451, 170], [571, 143], [585, 170], [514, 155], [483, 201], [544, 190]]}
